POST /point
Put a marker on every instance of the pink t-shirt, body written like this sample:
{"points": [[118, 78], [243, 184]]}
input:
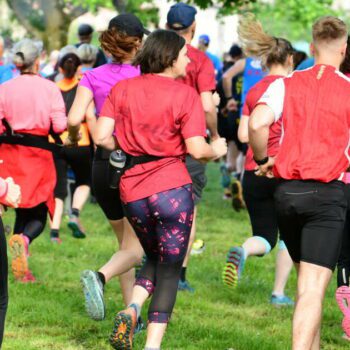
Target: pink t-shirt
{"points": [[30, 102], [101, 80]]}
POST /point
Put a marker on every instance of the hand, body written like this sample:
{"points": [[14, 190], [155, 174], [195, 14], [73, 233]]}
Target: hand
{"points": [[232, 105], [13, 196], [266, 169], [216, 98], [214, 137], [219, 147], [71, 141]]}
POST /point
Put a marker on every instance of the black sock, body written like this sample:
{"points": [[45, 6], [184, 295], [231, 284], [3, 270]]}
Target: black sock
{"points": [[102, 277], [183, 274], [75, 212], [54, 233]]}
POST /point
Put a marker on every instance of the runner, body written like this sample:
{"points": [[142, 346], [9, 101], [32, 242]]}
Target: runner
{"points": [[10, 195], [313, 155], [121, 40], [201, 76], [78, 158], [41, 108], [276, 55], [157, 190], [87, 54]]}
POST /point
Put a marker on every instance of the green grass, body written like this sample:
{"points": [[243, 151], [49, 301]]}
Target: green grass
{"points": [[50, 314]]}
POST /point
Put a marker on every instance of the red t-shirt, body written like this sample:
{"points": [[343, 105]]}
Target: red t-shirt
{"points": [[315, 108], [252, 99], [154, 115], [200, 72]]}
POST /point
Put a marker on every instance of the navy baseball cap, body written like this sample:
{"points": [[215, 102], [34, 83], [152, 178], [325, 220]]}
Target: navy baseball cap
{"points": [[181, 16], [85, 29], [128, 23], [204, 38]]}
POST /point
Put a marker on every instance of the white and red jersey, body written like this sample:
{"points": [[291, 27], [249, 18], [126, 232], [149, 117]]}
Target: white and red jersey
{"points": [[314, 105]]}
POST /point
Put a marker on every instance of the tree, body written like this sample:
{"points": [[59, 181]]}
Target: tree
{"points": [[48, 20]]}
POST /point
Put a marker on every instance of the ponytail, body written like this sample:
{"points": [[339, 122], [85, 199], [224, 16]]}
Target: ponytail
{"points": [[69, 64]]}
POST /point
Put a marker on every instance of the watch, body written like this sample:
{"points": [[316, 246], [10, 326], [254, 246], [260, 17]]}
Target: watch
{"points": [[261, 161]]}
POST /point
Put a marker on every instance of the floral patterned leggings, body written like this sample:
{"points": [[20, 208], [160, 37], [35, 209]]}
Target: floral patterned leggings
{"points": [[163, 224]]}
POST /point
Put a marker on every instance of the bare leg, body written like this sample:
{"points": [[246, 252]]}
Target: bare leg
{"points": [[155, 334], [192, 238], [254, 246], [312, 284], [57, 216], [232, 154], [284, 265], [80, 196]]}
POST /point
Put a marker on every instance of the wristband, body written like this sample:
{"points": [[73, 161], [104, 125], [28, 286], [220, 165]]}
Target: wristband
{"points": [[261, 161]]}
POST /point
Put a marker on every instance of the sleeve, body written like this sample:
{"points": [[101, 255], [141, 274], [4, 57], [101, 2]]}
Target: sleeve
{"points": [[108, 106], [58, 111], [3, 189], [86, 82], [193, 118], [206, 76], [274, 98]]}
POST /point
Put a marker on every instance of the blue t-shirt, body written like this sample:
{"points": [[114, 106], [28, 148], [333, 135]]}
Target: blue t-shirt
{"points": [[307, 63], [8, 72], [217, 65]]}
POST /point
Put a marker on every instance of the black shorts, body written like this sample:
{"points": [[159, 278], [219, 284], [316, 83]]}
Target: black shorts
{"points": [[79, 159], [107, 198], [311, 217], [258, 193], [228, 128], [199, 179]]}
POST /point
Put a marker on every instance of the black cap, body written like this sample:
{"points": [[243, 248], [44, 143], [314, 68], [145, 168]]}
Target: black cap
{"points": [[235, 51], [181, 16], [85, 30], [128, 23]]}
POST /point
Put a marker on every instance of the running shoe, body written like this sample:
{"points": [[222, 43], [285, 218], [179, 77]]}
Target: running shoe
{"points": [[28, 278], [227, 194], [93, 292], [237, 195], [124, 327], [234, 267], [198, 247], [184, 286], [19, 252], [281, 300], [75, 225], [342, 295], [140, 326], [56, 240]]}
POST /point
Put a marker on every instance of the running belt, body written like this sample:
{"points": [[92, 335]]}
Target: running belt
{"points": [[11, 137]]}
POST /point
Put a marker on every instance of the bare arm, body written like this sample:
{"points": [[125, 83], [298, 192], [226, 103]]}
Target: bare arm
{"points": [[78, 110], [210, 113], [259, 125], [199, 149], [243, 135], [236, 69], [91, 119], [104, 133]]}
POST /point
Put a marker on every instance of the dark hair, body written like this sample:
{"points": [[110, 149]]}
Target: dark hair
{"points": [[69, 64], [119, 44], [298, 57], [345, 66], [257, 43], [159, 51]]}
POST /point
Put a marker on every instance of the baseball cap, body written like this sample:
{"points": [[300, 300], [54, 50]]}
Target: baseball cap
{"points": [[128, 23], [181, 16], [235, 51], [204, 38], [85, 29]]}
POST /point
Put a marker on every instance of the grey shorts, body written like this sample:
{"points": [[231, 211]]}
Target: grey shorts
{"points": [[199, 179]]}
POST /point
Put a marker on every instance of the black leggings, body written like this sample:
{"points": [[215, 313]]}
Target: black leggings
{"points": [[31, 221], [163, 224], [3, 281], [344, 258]]}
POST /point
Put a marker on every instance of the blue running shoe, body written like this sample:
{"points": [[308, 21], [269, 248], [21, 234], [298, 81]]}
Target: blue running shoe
{"points": [[234, 267], [184, 286], [281, 300], [140, 326], [93, 292]]}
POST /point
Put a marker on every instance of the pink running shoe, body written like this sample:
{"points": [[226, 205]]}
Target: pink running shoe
{"points": [[28, 278], [342, 295]]}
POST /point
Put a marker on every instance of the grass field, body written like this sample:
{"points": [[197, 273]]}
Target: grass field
{"points": [[50, 314]]}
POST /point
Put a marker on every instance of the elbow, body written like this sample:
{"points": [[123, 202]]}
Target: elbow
{"points": [[197, 155], [100, 140]]}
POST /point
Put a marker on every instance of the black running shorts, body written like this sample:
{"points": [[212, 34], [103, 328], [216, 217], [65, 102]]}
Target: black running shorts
{"points": [[258, 193], [199, 179], [311, 217], [107, 198]]}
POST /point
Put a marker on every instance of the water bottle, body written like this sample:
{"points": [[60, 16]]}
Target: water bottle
{"points": [[117, 161]]}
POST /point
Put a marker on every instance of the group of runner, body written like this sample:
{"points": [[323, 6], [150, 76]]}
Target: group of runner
{"points": [[148, 187]]}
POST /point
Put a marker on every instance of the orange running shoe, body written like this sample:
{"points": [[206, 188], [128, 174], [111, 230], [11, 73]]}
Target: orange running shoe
{"points": [[123, 331], [19, 251]]}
